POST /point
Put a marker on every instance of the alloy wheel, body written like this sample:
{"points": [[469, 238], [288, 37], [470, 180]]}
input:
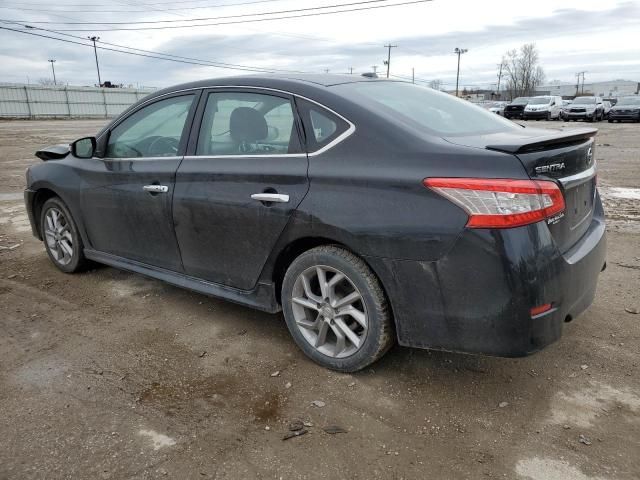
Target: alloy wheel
{"points": [[57, 232], [329, 311]]}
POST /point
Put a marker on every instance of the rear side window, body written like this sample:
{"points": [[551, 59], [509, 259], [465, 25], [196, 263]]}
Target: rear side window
{"points": [[247, 124], [321, 126]]}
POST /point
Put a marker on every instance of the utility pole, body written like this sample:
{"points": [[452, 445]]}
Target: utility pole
{"points": [[375, 68], [388, 62], [351, 70], [413, 75], [54, 70], [578, 81], [326, 70], [499, 78], [459, 51], [94, 39]]}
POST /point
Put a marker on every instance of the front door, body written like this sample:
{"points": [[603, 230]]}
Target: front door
{"points": [[245, 176], [126, 198]]}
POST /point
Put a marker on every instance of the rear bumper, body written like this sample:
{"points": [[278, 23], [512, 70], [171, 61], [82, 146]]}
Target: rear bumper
{"points": [[478, 298]]}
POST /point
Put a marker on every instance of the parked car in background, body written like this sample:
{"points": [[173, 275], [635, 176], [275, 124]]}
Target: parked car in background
{"points": [[627, 108], [543, 107], [515, 108], [370, 211], [584, 108], [498, 107], [606, 108]]}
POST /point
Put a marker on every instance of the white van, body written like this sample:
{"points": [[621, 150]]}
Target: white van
{"points": [[546, 107]]}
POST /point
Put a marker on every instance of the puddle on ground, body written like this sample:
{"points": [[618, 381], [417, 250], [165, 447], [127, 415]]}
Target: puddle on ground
{"points": [[11, 196], [158, 440], [583, 407], [537, 468], [627, 193], [15, 216]]}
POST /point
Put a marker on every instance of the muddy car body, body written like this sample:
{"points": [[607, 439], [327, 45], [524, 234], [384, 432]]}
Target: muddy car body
{"points": [[368, 210]]}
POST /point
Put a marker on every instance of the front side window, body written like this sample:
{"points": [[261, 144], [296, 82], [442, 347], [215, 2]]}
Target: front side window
{"points": [[152, 131], [244, 123], [425, 108]]}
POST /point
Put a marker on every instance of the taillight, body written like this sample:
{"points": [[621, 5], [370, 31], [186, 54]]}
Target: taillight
{"points": [[500, 203]]}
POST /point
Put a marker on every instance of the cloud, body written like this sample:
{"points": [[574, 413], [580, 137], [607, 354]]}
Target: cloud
{"points": [[569, 40]]}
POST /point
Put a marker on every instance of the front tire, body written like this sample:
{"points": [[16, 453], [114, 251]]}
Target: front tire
{"points": [[336, 310], [61, 238]]}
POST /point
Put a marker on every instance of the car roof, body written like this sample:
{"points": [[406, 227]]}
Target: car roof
{"points": [[294, 83]]}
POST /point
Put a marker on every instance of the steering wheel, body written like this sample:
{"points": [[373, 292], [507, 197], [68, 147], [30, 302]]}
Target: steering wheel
{"points": [[163, 147]]}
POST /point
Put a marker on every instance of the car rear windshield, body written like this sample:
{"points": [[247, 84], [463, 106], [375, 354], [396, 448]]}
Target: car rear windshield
{"points": [[629, 101], [425, 108], [584, 100], [539, 100]]}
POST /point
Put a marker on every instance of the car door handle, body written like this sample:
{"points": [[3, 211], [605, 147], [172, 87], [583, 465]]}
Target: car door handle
{"points": [[270, 197], [156, 188]]}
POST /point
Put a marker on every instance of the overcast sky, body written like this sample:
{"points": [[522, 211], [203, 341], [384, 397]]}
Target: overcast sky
{"points": [[601, 37]]}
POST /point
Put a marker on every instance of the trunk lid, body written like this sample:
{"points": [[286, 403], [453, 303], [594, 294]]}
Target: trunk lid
{"points": [[566, 157]]}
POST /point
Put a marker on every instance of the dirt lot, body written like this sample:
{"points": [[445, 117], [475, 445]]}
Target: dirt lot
{"points": [[110, 375]]}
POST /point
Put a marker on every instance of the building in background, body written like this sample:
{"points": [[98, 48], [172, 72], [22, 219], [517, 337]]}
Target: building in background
{"points": [[609, 89]]}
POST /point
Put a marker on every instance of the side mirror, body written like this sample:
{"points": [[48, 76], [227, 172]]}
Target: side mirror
{"points": [[84, 147]]}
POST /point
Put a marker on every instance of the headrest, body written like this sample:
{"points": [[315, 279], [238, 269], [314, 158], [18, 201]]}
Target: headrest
{"points": [[248, 125]]}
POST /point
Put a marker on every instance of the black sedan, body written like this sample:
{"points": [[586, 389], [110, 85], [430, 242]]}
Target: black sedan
{"points": [[627, 108], [369, 211]]}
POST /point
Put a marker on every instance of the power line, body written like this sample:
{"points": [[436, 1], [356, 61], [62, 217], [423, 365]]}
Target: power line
{"points": [[224, 17], [255, 20], [217, 5], [203, 63], [214, 63]]}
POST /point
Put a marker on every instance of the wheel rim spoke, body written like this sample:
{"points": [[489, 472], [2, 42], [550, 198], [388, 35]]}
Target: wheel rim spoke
{"points": [[350, 334], [307, 289], [321, 338], [322, 281], [306, 302], [66, 247], [347, 300], [356, 314]]}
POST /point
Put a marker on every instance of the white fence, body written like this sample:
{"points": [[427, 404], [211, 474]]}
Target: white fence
{"points": [[36, 101]]}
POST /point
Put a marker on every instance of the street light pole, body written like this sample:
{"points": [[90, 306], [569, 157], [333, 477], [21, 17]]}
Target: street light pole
{"points": [[54, 70], [95, 52], [459, 51]]}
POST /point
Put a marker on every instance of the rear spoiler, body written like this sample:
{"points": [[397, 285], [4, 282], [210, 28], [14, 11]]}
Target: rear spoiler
{"points": [[543, 142]]}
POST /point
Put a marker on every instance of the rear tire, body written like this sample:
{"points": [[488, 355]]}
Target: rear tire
{"points": [[340, 336], [61, 238]]}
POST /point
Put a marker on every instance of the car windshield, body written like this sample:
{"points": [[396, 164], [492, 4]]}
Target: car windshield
{"points": [[629, 101], [584, 100], [424, 107], [521, 101], [539, 100]]}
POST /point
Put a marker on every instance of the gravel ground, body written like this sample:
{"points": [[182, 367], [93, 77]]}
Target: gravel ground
{"points": [[109, 375]]}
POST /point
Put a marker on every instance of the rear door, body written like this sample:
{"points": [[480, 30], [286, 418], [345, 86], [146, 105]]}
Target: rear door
{"points": [[244, 176], [126, 193]]}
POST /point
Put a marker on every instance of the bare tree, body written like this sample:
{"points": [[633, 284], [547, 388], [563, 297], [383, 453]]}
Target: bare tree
{"points": [[522, 71], [436, 84], [45, 81]]}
